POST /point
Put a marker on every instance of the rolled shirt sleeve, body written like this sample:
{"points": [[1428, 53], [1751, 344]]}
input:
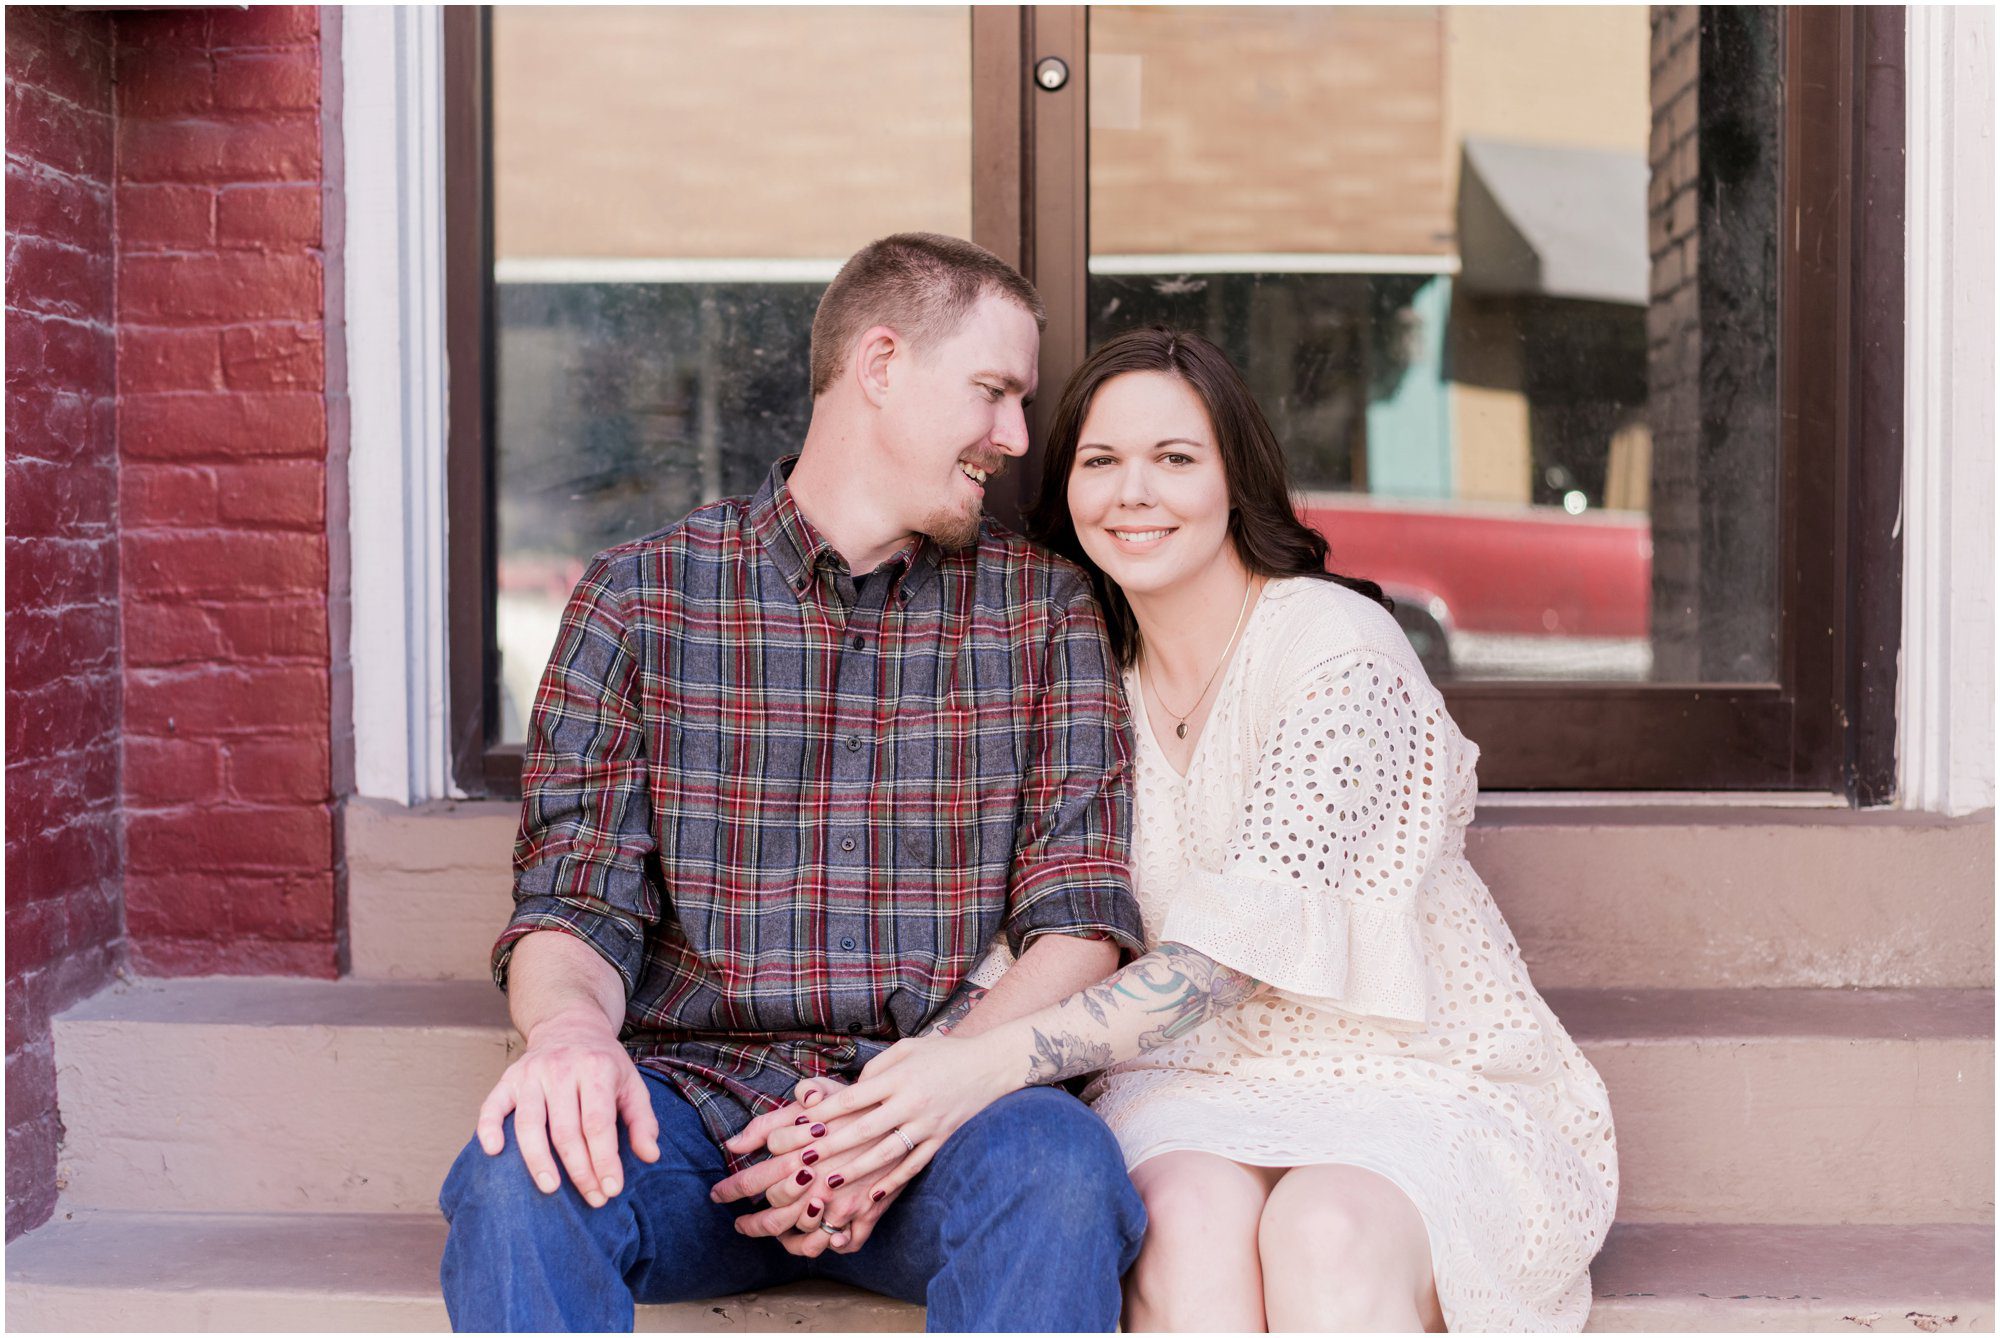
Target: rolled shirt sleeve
{"points": [[580, 860], [1070, 873]]}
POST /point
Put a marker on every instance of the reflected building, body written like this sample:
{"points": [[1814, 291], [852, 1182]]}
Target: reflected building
{"points": [[1474, 263]]}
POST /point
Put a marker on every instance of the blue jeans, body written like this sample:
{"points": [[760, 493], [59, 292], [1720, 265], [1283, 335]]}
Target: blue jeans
{"points": [[1024, 1222]]}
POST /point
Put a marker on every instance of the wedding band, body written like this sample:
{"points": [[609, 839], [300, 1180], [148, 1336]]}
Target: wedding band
{"points": [[908, 1146], [830, 1229]]}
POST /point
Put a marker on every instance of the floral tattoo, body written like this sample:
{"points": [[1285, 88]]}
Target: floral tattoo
{"points": [[1168, 993]]}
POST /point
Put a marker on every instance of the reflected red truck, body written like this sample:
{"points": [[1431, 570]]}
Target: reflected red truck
{"points": [[1490, 573]]}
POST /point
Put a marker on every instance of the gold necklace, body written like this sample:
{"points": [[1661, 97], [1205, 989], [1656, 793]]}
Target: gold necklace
{"points": [[1180, 730]]}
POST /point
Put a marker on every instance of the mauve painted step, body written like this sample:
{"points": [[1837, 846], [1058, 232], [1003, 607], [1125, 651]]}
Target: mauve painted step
{"points": [[1675, 897], [196, 1271], [1820, 1106], [256, 1095]]}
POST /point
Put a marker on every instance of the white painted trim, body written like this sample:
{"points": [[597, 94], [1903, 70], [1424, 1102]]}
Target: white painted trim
{"points": [[644, 269], [1944, 713], [1274, 262], [393, 64], [1736, 799]]}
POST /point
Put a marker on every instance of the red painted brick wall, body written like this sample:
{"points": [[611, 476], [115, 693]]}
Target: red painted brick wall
{"points": [[179, 727], [223, 200], [62, 828]]}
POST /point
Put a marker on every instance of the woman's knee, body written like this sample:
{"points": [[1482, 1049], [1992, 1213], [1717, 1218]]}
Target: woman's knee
{"points": [[1333, 1230], [1198, 1201], [1198, 1267], [1356, 1242], [1199, 1211]]}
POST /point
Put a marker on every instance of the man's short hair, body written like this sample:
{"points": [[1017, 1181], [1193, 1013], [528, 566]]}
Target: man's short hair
{"points": [[919, 284]]}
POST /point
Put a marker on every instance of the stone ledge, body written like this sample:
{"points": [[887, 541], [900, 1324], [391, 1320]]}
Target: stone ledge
{"points": [[274, 1095], [1667, 898], [192, 1271]]}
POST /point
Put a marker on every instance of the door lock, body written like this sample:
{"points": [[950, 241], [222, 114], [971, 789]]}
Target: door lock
{"points": [[1051, 72]]}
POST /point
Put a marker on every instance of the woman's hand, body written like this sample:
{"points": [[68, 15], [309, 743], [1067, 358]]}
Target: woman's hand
{"points": [[853, 1206], [926, 1087], [829, 1195]]}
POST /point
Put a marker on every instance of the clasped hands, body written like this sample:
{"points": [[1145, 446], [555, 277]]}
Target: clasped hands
{"points": [[815, 1177], [839, 1155], [836, 1154]]}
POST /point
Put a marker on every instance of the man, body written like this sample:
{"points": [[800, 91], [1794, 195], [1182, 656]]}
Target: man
{"points": [[795, 761]]}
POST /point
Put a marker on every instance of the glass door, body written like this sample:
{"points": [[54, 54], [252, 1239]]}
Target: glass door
{"points": [[1509, 282], [673, 189]]}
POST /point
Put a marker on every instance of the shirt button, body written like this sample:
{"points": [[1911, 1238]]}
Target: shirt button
{"points": [[854, 743], [855, 1029], [860, 642], [847, 843], [848, 944]]}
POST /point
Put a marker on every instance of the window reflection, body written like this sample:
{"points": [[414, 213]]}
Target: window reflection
{"points": [[673, 190], [1503, 279]]}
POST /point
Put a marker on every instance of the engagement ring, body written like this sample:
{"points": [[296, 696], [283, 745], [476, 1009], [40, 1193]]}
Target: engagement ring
{"points": [[908, 1146]]}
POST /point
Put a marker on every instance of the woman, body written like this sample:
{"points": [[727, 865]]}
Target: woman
{"points": [[1342, 1100]]}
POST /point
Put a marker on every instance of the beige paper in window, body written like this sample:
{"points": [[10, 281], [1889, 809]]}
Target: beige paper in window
{"points": [[1114, 91]]}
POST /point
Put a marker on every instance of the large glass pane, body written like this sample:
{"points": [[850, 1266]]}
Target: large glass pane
{"points": [[673, 190], [1504, 280]]}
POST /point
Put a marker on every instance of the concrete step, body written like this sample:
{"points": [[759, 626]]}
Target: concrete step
{"points": [[248, 1095], [1819, 1106], [194, 1271], [1664, 897], [370, 1272]]}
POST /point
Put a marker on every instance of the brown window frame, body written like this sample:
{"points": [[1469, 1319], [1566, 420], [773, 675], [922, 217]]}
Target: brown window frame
{"points": [[1826, 724]]}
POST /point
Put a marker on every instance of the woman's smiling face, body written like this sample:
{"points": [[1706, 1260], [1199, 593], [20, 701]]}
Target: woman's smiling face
{"points": [[1147, 492]]}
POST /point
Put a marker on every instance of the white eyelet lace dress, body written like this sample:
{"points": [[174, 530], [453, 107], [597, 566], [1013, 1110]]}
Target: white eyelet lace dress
{"points": [[1317, 843]]}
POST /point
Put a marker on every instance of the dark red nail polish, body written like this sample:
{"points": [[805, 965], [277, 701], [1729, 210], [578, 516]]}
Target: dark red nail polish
{"points": [[819, 1131], [810, 1156], [805, 1177], [801, 1119], [812, 1210], [877, 1196], [835, 1181]]}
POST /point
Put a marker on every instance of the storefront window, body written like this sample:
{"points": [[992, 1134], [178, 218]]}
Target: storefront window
{"points": [[1503, 280], [672, 191], [1509, 282]]}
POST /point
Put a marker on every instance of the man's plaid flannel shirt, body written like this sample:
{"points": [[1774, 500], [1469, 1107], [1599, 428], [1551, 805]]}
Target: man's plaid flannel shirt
{"points": [[792, 811]]}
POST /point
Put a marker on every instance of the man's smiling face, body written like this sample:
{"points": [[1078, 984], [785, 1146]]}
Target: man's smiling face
{"points": [[956, 415]]}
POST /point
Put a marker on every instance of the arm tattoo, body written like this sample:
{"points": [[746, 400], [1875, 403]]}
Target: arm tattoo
{"points": [[1159, 998], [954, 1010], [1088, 999], [1067, 1056]]}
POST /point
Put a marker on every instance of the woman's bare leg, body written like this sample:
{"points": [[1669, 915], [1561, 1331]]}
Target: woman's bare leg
{"points": [[1198, 1269], [1344, 1248]]}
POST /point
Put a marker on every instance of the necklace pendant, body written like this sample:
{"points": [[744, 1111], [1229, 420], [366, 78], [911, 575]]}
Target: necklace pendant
{"points": [[1180, 730]]}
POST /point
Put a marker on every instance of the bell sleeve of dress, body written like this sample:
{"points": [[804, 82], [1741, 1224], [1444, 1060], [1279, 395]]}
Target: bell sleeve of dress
{"points": [[1341, 825], [586, 811]]}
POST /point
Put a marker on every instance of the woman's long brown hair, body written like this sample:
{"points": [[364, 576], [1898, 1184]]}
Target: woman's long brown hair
{"points": [[1270, 538]]}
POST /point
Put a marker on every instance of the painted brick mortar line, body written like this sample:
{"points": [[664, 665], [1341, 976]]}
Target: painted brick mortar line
{"points": [[71, 105]]}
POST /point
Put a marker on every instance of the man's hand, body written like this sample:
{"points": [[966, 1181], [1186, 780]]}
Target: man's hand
{"points": [[569, 1089]]}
